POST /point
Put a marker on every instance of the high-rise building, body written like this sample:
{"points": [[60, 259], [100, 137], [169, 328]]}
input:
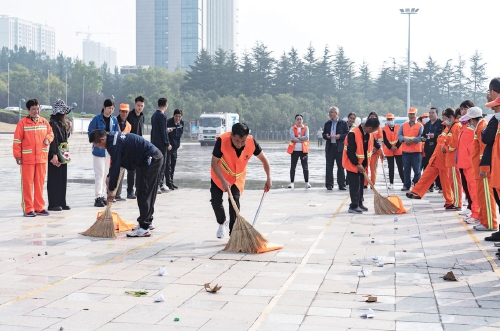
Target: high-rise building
{"points": [[99, 53], [35, 37], [171, 33]]}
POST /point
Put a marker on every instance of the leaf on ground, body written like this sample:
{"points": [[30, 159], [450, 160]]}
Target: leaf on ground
{"points": [[137, 293]]}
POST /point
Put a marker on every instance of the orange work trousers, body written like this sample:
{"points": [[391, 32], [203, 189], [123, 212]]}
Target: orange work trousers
{"points": [[487, 204], [32, 181], [471, 185], [456, 186], [429, 177]]}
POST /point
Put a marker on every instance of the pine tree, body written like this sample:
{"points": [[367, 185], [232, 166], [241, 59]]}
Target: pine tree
{"points": [[477, 74]]}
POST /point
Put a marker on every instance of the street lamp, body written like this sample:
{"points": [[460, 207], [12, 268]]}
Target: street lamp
{"points": [[409, 12], [21, 101]]}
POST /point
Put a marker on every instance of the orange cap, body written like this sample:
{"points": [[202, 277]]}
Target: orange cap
{"points": [[425, 115], [389, 116], [124, 106], [412, 110]]}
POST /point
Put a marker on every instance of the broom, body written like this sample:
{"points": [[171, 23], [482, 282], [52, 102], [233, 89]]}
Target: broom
{"points": [[104, 226], [244, 238], [383, 206]]}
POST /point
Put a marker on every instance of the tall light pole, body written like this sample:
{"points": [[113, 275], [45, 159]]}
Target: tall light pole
{"points": [[83, 92], [48, 86], [409, 12], [21, 101], [66, 101], [8, 84]]}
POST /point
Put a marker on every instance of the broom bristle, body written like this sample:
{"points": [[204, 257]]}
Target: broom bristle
{"points": [[103, 226], [382, 205], [244, 238]]}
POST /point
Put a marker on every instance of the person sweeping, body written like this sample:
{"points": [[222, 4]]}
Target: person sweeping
{"points": [[133, 152], [230, 157]]}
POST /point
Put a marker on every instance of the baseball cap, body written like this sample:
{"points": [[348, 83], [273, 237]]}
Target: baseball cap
{"points": [[493, 103], [389, 116], [412, 110], [472, 112], [124, 106], [424, 115]]}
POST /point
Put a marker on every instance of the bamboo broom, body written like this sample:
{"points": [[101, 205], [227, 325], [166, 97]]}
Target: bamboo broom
{"points": [[382, 205], [244, 238], [104, 226]]}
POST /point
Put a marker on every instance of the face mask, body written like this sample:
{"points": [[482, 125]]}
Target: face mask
{"points": [[390, 123], [497, 116], [425, 120], [448, 122]]}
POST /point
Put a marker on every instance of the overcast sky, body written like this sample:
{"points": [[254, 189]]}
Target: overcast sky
{"points": [[368, 30]]}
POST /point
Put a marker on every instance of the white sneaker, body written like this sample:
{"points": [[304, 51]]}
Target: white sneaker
{"points": [[481, 227], [290, 185], [465, 212], [223, 230], [308, 185], [151, 227], [164, 188], [470, 220], [391, 186], [140, 232]]}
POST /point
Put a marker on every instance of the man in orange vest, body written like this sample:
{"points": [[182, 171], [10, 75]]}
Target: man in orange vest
{"points": [[410, 135], [491, 137], [358, 149], [392, 149], [230, 157], [32, 138]]}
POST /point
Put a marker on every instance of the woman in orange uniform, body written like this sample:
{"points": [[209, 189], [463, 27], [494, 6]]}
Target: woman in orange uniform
{"points": [[392, 149], [436, 167], [450, 149], [378, 136]]}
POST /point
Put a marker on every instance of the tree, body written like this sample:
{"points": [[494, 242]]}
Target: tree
{"points": [[263, 68], [309, 69], [201, 76], [323, 72], [297, 72], [282, 76], [343, 72], [477, 74]]}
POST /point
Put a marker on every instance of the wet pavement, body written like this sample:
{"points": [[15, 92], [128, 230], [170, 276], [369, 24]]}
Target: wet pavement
{"points": [[51, 277]]}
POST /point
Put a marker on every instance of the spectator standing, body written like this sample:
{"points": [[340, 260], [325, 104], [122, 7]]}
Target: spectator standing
{"points": [[334, 133], [319, 135], [410, 134], [159, 138], [175, 128], [136, 120], [57, 172], [299, 149], [392, 149]]}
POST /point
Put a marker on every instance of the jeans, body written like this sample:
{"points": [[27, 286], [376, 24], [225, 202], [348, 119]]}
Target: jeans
{"points": [[411, 161]]}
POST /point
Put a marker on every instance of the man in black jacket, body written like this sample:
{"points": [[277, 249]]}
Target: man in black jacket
{"points": [[334, 132], [136, 120], [159, 138], [432, 130], [175, 128], [132, 152]]}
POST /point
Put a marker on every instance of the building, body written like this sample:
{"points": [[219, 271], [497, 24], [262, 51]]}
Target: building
{"points": [[126, 70], [99, 53], [35, 37], [171, 33]]}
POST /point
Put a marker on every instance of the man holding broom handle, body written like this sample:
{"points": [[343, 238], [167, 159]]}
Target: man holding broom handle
{"points": [[133, 152], [230, 157]]}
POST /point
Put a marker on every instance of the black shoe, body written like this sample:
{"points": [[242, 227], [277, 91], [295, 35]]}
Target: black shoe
{"points": [[495, 236], [131, 196], [170, 187], [329, 188], [363, 208], [342, 188], [174, 186], [30, 214], [42, 212], [450, 207], [99, 202], [430, 190], [119, 198], [357, 210], [412, 196], [66, 207], [366, 186], [57, 208], [405, 189]]}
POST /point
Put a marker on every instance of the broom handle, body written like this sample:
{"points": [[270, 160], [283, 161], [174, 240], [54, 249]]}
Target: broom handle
{"points": [[369, 182], [235, 207], [120, 177], [258, 209], [385, 178]]}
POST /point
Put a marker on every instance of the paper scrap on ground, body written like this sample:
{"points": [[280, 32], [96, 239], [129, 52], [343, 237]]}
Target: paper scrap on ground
{"points": [[162, 271], [375, 258], [368, 314], [161, 298], [370, 298], [380, 264], [364, 273], [210, 289], [415, 236]]}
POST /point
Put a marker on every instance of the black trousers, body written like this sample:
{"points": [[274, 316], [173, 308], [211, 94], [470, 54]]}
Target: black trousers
{"points": [[320, 142], [131, 181], [399, 163], [356, 183], [303, 161], [497, 198], [466, 189], [147, 186], [218, 207], [57, 179], [163, 167], [170, 167], [334, 156]]}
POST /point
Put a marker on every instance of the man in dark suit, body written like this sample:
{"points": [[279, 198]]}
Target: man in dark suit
{"points": [[334, 133]]}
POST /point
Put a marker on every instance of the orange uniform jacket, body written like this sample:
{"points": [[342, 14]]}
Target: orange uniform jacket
{"points": [[466, 139], [393, 139], [28, 141], [305, 144], [411, 132], [233, 168], [451, 144], [360, 150], [495, 162]]}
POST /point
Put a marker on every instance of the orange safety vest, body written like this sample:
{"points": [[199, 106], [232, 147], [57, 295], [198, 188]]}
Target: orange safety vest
{"points": [[451, 144], [465, 141], [393, 139], [438, 156], [28, 140], [411, 132], [233, 168], [495, 161], [478, 149], [360, 152], [127, 129], [305, 144]]}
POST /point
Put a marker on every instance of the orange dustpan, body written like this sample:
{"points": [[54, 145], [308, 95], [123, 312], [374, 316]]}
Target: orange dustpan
{"points": [[395, 200], [121, 225]]}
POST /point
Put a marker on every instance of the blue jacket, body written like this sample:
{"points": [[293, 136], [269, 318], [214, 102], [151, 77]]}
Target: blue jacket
{"points": [[175, 136], [98, 123], [127, 150]]}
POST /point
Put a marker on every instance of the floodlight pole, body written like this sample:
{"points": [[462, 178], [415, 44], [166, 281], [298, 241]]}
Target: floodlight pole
{"points": [[408, 12]]}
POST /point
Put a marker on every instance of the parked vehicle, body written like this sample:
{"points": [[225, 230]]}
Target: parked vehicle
{"points": [[214, 124]]}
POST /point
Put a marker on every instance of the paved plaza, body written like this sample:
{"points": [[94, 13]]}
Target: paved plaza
{"points": [[52, 278]]}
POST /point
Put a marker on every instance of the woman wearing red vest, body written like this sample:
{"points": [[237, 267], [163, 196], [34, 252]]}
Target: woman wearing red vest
{"points": [[230, 157], [299, 148], [358, 149], [392, 149]]}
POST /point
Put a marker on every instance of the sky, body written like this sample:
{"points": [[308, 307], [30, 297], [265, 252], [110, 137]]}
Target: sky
{"points": [[368, 30]]}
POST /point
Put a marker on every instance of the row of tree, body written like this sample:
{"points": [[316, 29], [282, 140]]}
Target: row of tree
{"points": [[266, 92]]}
